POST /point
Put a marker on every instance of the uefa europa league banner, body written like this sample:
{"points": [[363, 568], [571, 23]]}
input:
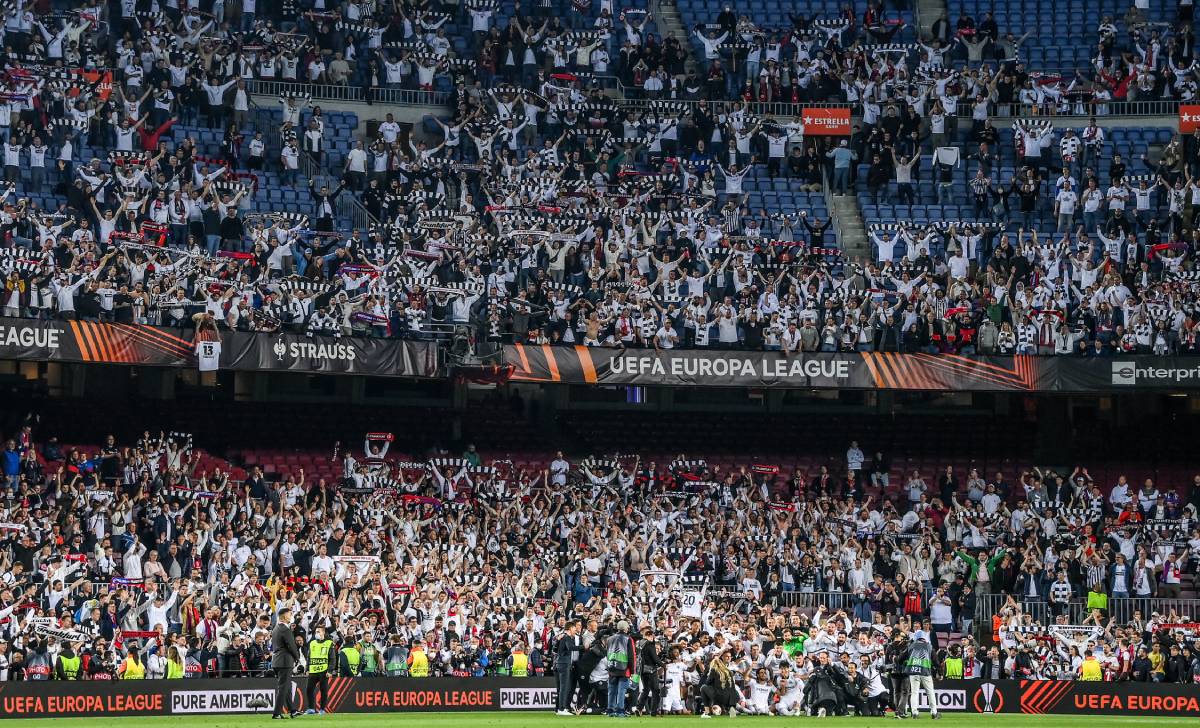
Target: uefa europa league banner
{"points": [[860, 370], [123, 698], [117, 343]]}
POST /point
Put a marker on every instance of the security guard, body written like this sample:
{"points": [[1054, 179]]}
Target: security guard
{"points": [[174, 664], [518, 662], [952, 666], [133, 668], [319, 648], [66, 667], [350, 660], [418, 661], [1090, 669]]}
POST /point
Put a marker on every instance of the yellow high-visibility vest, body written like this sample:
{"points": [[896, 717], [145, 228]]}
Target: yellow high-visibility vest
{"points": [[133, 670], [419, 665], [520, 664]]}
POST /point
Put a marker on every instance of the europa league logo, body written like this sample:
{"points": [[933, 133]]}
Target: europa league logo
{"points": [[987, 700]]}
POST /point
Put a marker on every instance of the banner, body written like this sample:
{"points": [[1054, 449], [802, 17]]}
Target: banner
{"points": [[826, 121], [104, 90], [1067, 697], [1189, 118], [54, 698], [322, 354], [863, 370], [115, 343]]}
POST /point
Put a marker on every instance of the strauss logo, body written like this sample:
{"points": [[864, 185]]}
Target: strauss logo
{"points": [[280, 349]]}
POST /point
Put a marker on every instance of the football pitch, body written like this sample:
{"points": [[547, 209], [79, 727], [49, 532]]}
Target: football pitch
{"points": [[549, 720]]}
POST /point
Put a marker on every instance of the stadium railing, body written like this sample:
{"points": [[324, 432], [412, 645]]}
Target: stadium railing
{"points": [[331, 92], [1122, 610]]}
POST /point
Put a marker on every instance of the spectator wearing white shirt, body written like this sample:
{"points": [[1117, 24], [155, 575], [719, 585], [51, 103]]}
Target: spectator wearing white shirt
{"points": [[356, 167], [854, 457], [1064, 206], [1119, 495]]}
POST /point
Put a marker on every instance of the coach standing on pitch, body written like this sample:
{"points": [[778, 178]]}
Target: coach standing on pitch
{"points": [[566, 654], [285, 653]]}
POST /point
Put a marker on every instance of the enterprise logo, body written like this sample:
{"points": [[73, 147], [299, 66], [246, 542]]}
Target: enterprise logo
{"points": [[1124, 372], [1127, 373]]}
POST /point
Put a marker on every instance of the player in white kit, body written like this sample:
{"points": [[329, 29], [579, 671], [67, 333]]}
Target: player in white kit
{"points": [[791, 692], [759, 694], [673, 690]]}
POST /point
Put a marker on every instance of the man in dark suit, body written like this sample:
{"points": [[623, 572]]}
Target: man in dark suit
{"points": [[285, 653], [325, 201], [566, 655]]}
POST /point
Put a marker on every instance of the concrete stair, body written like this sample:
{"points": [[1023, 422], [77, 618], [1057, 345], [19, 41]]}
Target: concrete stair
{"points": [[927, 12], [851, 227], [666, 17]]}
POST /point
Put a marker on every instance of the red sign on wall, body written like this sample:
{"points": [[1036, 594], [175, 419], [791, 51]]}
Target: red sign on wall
{"points": [[826, 122], [1189, 118]]}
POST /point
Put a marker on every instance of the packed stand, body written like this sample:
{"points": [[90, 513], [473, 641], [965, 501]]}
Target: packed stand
{"points": [[1039, 238], [466, 226], [988, 58], [151, 560], [147, 187], [1035, 239]]}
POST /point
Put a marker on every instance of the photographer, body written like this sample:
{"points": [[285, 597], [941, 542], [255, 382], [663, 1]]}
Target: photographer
{"points": [[878, 697], [826, 689], [894, 657]]}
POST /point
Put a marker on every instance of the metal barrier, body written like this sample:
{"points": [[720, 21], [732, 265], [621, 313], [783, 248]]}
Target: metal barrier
{"points": [[999, 111], [761, 108], [1077, 108], [836, 218], [635, 98], [356, 94], [832, 601], [1122, 610], [349, 207]]}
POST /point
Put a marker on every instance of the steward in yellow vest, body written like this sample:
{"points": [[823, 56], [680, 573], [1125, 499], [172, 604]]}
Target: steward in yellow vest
{"points": [[418, 661], [350, 661], [318, 655], [317, 691], [518, 662], [133, 668], [67, 666]]}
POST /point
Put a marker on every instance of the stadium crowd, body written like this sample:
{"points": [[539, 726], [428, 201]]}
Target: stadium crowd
{"points": [[749, 590], [550, 213]]}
